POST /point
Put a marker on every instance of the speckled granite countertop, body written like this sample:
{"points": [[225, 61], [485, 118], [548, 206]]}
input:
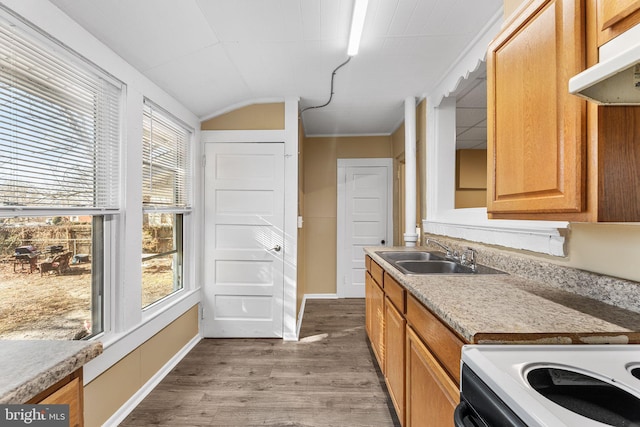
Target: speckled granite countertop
{"points": [[503, 308], [30, 367]]}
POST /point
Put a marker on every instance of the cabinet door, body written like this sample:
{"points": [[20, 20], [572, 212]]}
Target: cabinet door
{"points": [[368, 297], [536, 129], [616, 16], [70, 394], [376, 335], [395, 356], [431, 395]]}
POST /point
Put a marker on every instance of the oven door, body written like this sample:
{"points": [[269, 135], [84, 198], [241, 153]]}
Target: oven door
{"points": [[480, 406]]}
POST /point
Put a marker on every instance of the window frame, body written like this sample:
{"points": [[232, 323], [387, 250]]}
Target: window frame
{"points": [[182, 204]]}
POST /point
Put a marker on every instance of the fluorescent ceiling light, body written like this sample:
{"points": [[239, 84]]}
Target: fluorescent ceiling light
{"points": [[357, 23]]}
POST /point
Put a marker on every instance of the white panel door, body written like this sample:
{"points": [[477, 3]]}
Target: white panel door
{"points": [[364, 220], [244, 220]]}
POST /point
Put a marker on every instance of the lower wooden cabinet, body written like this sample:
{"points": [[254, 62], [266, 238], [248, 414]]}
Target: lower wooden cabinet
{"points": [[375, 310], [394, 339], [432, 396], [68, 391], [418, 355]]}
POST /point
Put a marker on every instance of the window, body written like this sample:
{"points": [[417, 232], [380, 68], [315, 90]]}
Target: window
{"points": [[166, 193], [59, 181]]}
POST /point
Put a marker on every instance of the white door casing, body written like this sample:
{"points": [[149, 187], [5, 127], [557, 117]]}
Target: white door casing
{"points": [[244, 240], [364, 218]]}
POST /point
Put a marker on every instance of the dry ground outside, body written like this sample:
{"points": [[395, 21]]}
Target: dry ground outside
{"points": [[52, 306]]}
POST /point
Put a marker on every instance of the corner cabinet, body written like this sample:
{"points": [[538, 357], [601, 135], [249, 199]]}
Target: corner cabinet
{"points": [[418, 355], [552, 155]]}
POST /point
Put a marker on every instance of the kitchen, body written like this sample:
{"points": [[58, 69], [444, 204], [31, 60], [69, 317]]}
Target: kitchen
{"points": [[139, 349]]}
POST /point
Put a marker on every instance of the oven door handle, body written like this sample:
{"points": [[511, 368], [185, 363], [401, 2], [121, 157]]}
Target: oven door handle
{"points": [[463, 416]]}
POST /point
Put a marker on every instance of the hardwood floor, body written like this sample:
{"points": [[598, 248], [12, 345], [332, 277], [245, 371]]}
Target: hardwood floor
{"points": [[327, 378]]}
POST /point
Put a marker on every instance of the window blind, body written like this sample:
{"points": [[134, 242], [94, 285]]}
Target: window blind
{"points": [[166, 169], [59, 125]]}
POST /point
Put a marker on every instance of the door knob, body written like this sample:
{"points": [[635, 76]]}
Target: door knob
{"points": [[382, 241], [276, 248]]}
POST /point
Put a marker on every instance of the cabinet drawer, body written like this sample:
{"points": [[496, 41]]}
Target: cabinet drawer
{"points": [[377, 273], [442, 342], [395, 292], [367, 262]]}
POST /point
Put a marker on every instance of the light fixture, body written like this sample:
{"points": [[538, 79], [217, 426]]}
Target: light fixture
{"points": [[357, 23]]}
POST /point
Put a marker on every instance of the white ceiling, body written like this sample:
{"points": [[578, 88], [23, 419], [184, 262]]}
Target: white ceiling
{"points": [[215, 55]]}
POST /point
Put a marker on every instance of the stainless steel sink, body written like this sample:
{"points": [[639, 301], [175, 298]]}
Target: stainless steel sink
{"points": [[424, 262], [432, 267], [392, 256]]}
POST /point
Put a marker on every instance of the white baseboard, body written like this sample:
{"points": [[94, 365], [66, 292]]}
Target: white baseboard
{"points": [[300, 315], [135, 400]]}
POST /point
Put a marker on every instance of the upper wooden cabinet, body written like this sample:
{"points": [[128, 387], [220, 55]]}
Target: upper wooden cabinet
{"points": [[536, 138], [552, 155], [615, 17]]}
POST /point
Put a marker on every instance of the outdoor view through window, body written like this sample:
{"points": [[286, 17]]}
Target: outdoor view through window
{"points": [[46, 279]]}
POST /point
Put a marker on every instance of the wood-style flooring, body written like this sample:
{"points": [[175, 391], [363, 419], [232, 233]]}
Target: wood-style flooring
{"points": [[328, 378]]}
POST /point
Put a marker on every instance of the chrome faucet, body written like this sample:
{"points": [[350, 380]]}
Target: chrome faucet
{"points": [[449, 252], [468, 258]]}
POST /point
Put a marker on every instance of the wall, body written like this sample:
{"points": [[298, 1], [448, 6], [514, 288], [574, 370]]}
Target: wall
{"points": [[108, 392], [471, 179], [266, 116], [321, 156]]}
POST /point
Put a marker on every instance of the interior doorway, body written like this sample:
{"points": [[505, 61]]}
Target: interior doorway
{"points": [[244, 240], [364, 218]]}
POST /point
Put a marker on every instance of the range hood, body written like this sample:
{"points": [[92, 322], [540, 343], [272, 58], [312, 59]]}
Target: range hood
{"points": [[615, 80]]}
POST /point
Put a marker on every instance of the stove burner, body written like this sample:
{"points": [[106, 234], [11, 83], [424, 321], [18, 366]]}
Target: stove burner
{"points": [[587, 396]]}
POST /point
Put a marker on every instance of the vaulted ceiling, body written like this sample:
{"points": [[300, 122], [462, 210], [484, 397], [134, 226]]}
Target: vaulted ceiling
{"points": [[215, 55]]}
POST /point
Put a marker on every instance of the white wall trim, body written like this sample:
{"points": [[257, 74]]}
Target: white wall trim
{"points": [[341, 267], [300, 316], [547, 240], [291, 159], [148, 387]]}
